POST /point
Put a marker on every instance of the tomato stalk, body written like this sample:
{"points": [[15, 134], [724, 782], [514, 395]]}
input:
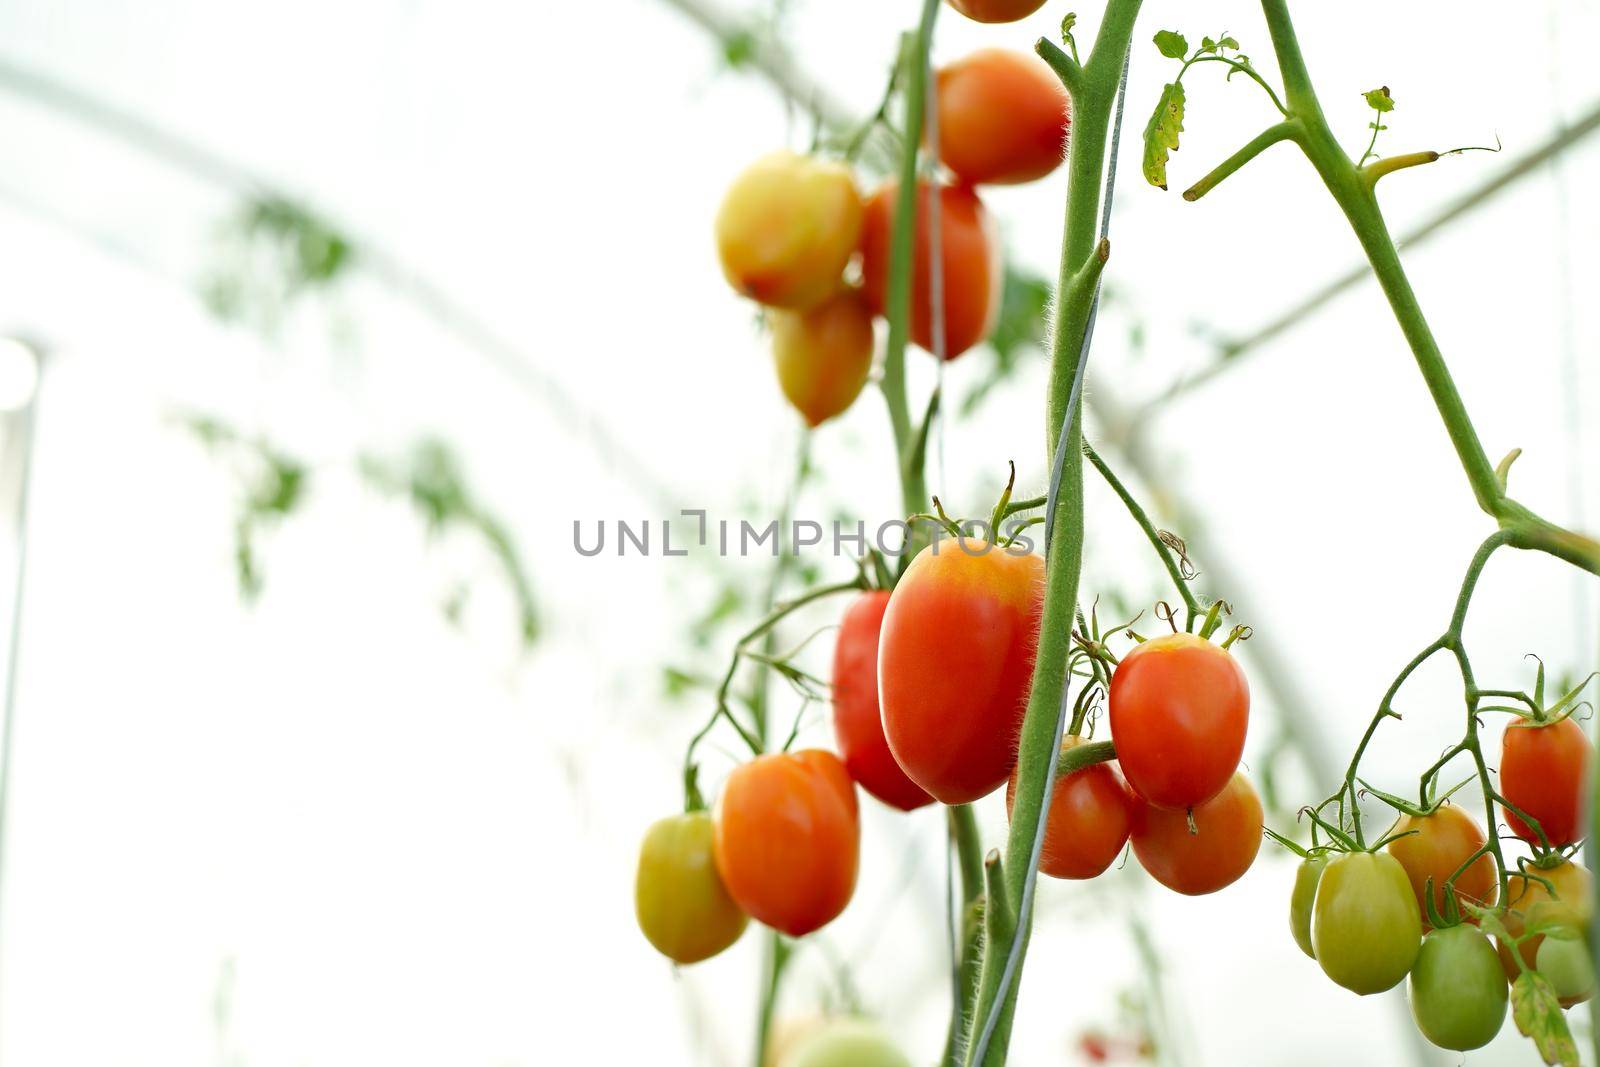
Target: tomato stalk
{"points": [[1093, 87]]}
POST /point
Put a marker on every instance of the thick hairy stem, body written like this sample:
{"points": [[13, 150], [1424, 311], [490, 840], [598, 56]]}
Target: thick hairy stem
{"points": [[1094, 95]]}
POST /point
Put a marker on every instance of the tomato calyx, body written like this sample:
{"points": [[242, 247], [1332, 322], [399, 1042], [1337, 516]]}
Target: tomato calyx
{"points": [[994, 530], [1530, 708]]}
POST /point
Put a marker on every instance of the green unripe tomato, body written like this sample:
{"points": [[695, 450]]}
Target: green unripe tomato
{"points": [[1365, 926], [682, 906], [1458, 990], [1565, 962], [1300, 902], [847, 1043]]}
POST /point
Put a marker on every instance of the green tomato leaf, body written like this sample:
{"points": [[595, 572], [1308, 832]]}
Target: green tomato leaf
{"points": [[1068, 21], [1161, 134], [1538, 1016], [1379, 99], [1207, 45], [1228, 42], [1172, 45]]}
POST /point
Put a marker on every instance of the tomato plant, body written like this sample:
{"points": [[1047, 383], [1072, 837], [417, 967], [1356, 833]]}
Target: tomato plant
{"points": [[969, 263], [1366, 927], [678, 896], [996, 10], [1542, 774], [823, 354], [787, 228], [787, 839], [1003, 117], [1434, 847], [1180, 706], [857, 721], [1216, 853], [1458, 993], [1089, 820], [954, 659]]}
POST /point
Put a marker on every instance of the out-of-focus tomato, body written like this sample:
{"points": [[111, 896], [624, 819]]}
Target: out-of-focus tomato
{"points": [[1224, 843], [1439, 846], [1565, 962], [1090, 813], [847, 1043], [1529, 900], [970, 254], [1306, 878], [955, 658], [1543, 770], [997, 10], [788, 839], [787, 228], [1365, 927], [857, 723], [1179, 708], [1003, 117], [823, 354], [680, 901]]}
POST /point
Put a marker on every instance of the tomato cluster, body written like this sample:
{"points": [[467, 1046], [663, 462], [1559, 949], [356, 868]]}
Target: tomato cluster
{"points": [[793, 231], [1415, 907]]}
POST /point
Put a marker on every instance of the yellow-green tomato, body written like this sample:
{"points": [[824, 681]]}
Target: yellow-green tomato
{"points": [[787, 227], [1458, 991], [679, 898], [1365, 925], [1306, 879], [823, 354], [1565, 962], [847, 1043]]}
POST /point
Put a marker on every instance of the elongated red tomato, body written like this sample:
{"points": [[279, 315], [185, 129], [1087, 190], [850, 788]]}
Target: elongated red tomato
{"points": [[1225, 842], [857, 723], [1003, 117], [970, 254], [787, 839], [996, 10], [1180, 706], [1090, 812], [823, 354], [1542, 769], [954, 661]]}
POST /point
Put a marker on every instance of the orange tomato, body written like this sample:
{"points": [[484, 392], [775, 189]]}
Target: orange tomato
{"points": [[1225, 842], [996, 10], [1090, 812], [1003, 117], [857, 722], [787, 228], [1529, 900], [969, 252], [787, 839], [823, 354], [1441, 844], [1543, 770], [1179, 708], [955, 658]]}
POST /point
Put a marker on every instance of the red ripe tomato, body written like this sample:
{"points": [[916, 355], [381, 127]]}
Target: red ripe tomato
{"points": [[786, 229], [1003, 117], [1542, 769], [1090, 811], [1179, 709], [857, 724], [787, 839], [996, 10], [970, 254], [1224, 845], [1441, 844], [823, 354], [955, 659]]}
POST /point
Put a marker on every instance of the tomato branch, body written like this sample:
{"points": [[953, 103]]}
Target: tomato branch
{"points": [[1151, 533]]}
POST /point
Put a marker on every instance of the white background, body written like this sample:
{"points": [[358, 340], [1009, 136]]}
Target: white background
{"points": [[333, 830]]}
